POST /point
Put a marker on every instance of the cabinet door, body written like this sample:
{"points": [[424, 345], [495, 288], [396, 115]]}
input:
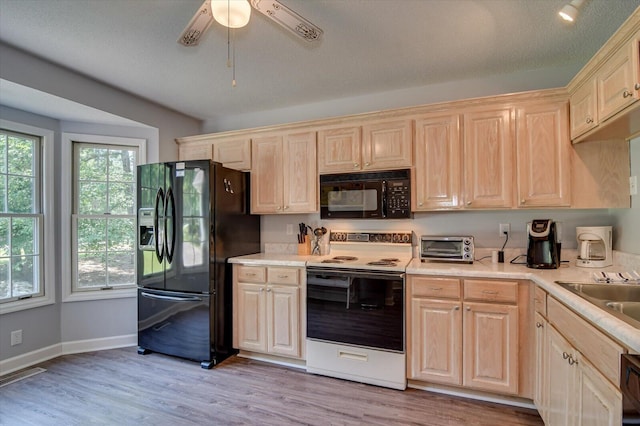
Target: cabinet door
{"points": [[560, 380], [488, 159], [435, 345], [300, 178], [616, 81], [339, 150], [438, 163], [387, 145], [195, 152], [490, 337], [266, 175], [544, 165], [251, 315], [283, 307], [599, 402], [584, 105], [540, 374], [234, 154]]}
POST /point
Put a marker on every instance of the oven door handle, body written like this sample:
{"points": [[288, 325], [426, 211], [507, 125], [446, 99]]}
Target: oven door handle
{"points": [[354, 273]]}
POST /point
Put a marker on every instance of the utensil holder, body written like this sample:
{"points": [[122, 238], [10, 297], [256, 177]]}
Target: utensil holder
{"points": [[304, 249]]}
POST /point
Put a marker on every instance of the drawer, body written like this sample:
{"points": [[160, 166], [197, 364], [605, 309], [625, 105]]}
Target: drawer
{"points": [[491, 291], [446, 288], [540, 301], [284, 276], [251, 274], [596, 346]]}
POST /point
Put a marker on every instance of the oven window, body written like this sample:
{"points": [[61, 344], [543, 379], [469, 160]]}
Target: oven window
{"points": [[442, 248], [357, 311]]}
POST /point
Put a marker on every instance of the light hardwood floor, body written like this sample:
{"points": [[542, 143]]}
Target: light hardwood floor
{"points": [[120, 387]]}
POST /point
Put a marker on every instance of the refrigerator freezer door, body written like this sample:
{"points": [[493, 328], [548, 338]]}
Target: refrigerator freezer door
{"points": [[175, 323]]}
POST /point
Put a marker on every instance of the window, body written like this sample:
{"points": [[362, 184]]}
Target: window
{"points": [[21, 217], [104, 181]]}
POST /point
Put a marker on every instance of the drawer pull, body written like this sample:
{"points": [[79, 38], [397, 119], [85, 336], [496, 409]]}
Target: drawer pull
{"points": [[436, 288], [490, 292], [283, 276], [539, 324], [352, 355], [250, 274]]}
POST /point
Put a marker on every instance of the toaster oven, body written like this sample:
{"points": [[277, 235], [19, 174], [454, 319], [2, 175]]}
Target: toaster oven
{"points": [[446, 249]]}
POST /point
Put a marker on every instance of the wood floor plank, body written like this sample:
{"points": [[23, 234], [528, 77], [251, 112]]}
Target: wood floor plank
{"points": [[120, 387]]}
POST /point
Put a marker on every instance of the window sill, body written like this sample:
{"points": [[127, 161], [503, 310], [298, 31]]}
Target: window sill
{"points": [[24, 304], [82, 296]]}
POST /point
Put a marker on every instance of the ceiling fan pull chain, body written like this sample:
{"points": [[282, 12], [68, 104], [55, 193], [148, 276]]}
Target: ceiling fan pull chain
{"points": [[233, 53]]}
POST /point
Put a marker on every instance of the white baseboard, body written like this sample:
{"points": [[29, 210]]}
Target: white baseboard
{"points": [[79, 346]]}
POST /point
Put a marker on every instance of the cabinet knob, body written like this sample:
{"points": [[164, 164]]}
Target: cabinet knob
{"points": [[468, 308], [268, 290], [468, 203], [589, 120], [572, 361], [637, 86], [626, 94], [278, 208], [367, 164], [456, 308], [539, 324], [420, 204], [565, 355], [261, 289], [356, 165], [523, 201], [286, 207]]}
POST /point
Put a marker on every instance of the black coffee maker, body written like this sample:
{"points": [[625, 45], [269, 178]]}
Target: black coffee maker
{"points": [[544, 244]]}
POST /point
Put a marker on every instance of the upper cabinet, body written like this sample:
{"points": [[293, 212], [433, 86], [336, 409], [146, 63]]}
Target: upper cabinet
{"points": [[543, 155], [606, 87], [488, 158], [378, 145], [283, 174], [437, 175], [234, 153]]}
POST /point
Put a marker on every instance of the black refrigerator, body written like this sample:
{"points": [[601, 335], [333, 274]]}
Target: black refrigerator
{"points": [[192, 217]]}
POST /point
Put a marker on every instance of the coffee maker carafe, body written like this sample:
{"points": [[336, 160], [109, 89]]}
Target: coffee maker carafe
{"points": [[594, 246], [544, 244]]}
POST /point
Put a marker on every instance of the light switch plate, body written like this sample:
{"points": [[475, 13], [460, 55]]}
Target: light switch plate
{"points": [[633, 185]]}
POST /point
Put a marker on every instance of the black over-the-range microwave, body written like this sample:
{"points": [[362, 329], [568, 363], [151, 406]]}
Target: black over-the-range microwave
{"points": [[366, 195]]}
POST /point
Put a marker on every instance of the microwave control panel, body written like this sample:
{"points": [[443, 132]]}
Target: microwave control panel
{"points": [[398, 198]]}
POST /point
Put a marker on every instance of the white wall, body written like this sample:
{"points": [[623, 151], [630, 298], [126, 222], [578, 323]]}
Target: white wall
{"points": [[627, 221]]}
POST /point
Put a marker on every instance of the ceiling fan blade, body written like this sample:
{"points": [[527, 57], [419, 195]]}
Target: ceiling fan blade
{"points": [[198, 25], [288, 19]]}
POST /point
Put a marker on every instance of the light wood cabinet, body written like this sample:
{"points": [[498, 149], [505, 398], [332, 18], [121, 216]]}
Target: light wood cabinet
{"points": [[233, 153], [283, 174], [464, 334], [488, 159], [580, 372], [490, 341], [543, 155], [201, 151], [438, 157], [268, 313], [540, 396], [435, 342], [614, 85], [379, 145]]}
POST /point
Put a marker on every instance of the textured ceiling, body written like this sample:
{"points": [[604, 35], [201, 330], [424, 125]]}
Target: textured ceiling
{"points": [[368, 46]]}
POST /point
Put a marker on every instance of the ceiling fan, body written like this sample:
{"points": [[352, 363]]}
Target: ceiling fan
{"points": [[221, 11]]}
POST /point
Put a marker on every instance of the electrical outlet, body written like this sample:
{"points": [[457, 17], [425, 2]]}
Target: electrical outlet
{"points": [[289, 229], [16, 337], [633, 185], [504, 227]]}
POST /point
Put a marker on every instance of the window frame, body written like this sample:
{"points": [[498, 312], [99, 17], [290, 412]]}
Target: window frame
{"points": [[46, 214], [69, 248]]}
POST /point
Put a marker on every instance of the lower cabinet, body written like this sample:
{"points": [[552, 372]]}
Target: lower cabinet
{"points": [[570, 388], [268, 314], [463, 333]]}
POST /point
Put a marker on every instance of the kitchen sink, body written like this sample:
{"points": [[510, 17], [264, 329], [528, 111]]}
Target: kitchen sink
{"points": [[620, 300]]}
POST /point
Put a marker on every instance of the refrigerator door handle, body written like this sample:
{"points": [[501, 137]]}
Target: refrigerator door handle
{"points": [[173, 298], [156, 222], [170, 243]]}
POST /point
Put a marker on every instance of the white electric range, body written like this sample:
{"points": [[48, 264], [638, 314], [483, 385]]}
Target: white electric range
{"points": [[355, 308]]}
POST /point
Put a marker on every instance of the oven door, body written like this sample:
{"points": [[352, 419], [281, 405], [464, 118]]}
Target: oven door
{"points": [[351, 199], [353, 307]]}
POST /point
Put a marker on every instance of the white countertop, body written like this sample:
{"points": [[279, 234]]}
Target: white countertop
{"points": [[628, 335]]}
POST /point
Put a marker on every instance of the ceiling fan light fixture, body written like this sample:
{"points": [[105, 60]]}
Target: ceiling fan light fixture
{"points": [[569, 12], [231, 13]]}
